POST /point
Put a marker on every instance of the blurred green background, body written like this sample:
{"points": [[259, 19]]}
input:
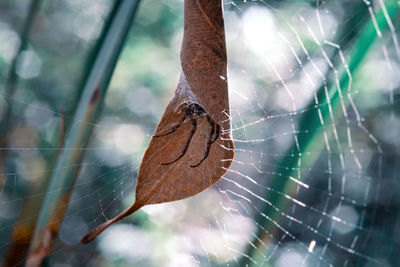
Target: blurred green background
{"points": [[314, 89]]}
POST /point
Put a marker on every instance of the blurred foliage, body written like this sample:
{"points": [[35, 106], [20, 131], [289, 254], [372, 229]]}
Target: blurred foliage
{"points": [[215, 226]]}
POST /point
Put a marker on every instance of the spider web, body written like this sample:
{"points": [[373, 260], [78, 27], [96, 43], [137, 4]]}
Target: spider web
{"points": [[325, 171]]}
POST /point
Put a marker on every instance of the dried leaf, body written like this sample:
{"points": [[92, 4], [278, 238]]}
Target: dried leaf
{"points": [[192, 146]]}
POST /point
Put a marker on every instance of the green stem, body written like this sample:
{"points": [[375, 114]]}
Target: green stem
{"points": [[24, 225], [311, 138], [88, 110], [11, 85]]}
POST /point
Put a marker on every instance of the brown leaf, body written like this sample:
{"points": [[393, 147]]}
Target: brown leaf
{"points": [[203, 57], [192, 146]]}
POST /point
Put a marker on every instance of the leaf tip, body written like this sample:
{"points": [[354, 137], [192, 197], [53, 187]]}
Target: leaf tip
{"points": [[89, 237]]}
